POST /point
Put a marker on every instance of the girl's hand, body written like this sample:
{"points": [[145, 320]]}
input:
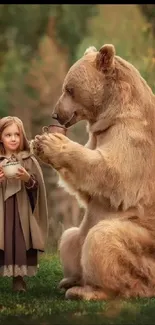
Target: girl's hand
{"points": [[2, 176], [23, 175]]}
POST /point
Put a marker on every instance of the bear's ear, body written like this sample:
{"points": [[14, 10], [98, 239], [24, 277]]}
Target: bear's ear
{"points": [[90, 49], [105, 57]]}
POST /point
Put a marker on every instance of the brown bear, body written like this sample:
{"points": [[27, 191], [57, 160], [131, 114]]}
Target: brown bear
{"points": [[112, 252]]}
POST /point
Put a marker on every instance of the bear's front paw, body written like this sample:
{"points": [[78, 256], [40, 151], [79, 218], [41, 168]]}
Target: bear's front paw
{"points": [[51, 149], [38, 149], [58, 141]]}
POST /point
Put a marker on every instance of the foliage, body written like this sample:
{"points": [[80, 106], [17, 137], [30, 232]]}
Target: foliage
{"points": [[72, 25], [23, 27], [149, 12], [44, 303], [126, 27], [148, 68]]}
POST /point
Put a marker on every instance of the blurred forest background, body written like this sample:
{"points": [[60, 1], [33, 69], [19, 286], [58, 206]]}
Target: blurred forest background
{"points": [[38, 44]]}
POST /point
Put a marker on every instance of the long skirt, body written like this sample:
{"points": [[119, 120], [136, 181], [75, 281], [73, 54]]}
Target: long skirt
{"points": [[15, 260]]}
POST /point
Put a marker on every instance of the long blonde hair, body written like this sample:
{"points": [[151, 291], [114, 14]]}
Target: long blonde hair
{"points": [[7, 121]]}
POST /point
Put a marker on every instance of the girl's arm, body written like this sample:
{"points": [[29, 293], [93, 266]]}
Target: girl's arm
{"points": [[32, 184]]}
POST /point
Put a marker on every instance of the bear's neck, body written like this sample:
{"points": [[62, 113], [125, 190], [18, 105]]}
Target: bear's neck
{"points": [[102, 124]]}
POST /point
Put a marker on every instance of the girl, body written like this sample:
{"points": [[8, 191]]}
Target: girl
{"points": [[23, 206]]}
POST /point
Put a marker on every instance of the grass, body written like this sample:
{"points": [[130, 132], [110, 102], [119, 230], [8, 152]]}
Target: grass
{"points": [[44, 303]]}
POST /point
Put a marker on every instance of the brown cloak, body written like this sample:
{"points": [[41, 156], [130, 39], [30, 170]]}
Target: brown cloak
{"points": [[35, 223]]}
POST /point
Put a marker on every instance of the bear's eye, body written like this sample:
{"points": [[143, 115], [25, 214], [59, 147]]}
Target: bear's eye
{"points": [[69, 91]]}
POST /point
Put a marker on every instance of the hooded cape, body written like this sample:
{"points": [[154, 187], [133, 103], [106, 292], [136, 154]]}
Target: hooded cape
{"points": [[36, 222]]}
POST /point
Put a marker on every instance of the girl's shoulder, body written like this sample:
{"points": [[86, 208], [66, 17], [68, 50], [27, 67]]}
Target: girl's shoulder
{"points": [[32, 158], [33, 162]]}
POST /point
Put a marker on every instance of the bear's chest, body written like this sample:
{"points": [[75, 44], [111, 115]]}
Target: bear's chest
{"points": [[81, 197]]}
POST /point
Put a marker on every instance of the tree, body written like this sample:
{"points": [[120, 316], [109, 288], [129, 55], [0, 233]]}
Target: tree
{"points": [[23, 26], [149, 12], [72, 25]]}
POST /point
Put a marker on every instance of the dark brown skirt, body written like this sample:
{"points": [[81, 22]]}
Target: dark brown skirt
{"points": [[15, 260]]}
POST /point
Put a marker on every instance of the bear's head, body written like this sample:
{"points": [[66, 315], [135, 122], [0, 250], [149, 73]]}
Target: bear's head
{"points": [[102, 87]]}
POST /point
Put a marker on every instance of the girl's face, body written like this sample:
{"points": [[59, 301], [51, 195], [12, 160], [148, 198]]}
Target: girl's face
{"points": [[11, 138]]}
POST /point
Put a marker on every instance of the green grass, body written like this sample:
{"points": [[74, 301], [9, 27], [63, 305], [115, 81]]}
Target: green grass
{"points": [[44, 303]]}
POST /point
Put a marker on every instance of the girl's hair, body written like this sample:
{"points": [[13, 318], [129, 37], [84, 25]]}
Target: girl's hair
{"points": [[9, 120]]}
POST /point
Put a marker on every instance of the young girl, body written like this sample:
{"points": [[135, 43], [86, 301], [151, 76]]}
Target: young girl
{"points": [[23, 206]]}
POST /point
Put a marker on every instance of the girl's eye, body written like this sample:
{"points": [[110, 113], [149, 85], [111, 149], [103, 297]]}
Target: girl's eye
{"points": [[9, 135]]}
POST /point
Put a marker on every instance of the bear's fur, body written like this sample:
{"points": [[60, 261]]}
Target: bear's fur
{"points": [[112, 253]]}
